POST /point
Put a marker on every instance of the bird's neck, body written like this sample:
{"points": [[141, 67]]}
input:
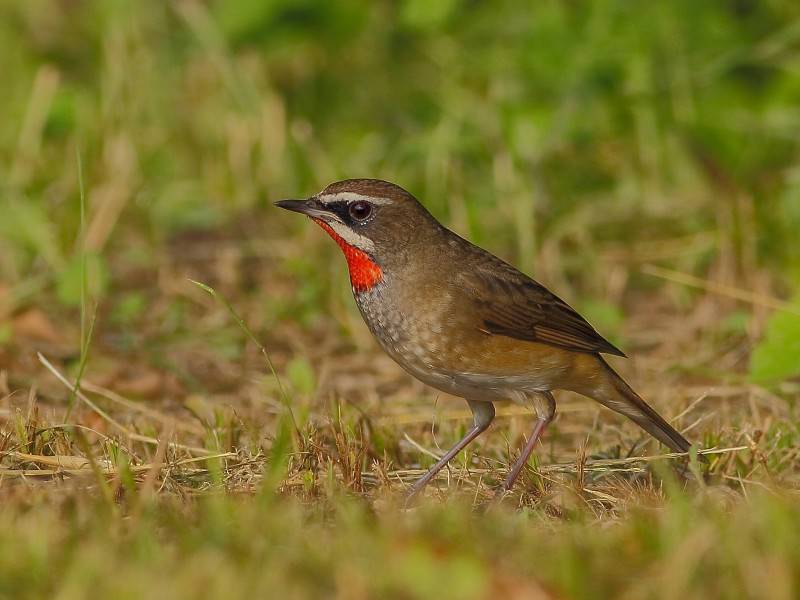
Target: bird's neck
{"points": [[365, 273]]}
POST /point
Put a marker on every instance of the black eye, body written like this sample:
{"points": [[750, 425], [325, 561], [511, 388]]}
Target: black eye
{"points": [[360, 210]]}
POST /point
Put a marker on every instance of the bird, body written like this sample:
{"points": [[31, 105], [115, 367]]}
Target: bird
{"points": [[464, 321]]}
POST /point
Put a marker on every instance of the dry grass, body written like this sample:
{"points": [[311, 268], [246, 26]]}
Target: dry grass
{"points": [[312, 494], [371, 429]]}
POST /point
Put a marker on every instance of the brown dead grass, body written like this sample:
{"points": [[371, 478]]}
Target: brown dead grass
{"points": [[373, 430]]}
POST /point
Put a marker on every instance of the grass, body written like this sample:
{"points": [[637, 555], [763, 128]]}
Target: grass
{"points": [[245, 438], [250, 548]]}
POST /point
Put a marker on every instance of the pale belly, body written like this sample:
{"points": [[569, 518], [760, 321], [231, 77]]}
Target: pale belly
{"points": [[419, 345]]}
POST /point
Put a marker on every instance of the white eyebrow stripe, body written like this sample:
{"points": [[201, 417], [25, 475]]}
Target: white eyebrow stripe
{"points": [[351, 197]]}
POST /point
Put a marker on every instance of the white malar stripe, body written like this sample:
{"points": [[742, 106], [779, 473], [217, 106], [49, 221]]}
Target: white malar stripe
{"points": [[351, 197], [351, 237]]}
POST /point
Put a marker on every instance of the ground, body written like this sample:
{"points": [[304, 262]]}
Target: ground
{"points": [[292, 479]]}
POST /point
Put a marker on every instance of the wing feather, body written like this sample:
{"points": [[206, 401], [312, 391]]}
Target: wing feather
{"points": [[517, 306]]}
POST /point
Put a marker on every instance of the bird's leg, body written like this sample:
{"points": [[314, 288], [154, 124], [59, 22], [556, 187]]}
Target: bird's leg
{"points": [[483, 415], [545, 406]]}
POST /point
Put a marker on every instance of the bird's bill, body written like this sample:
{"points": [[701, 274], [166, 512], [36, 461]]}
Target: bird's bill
{"points": [[310, 207]]}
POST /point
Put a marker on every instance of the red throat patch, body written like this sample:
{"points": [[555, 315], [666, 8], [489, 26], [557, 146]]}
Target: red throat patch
{"points": [[364, 272]]}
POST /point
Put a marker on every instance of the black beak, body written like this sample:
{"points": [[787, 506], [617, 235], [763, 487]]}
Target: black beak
{"points": [[310, 207], [305, 207]]}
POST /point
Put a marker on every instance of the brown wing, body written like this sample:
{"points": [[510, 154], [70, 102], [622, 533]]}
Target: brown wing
{"points": [[509, 303]]}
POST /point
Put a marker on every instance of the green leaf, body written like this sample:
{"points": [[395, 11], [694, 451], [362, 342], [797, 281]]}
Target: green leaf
{"points": [[69, 280], [605, 317], [777, 356], [129, 307], [28, 225]]}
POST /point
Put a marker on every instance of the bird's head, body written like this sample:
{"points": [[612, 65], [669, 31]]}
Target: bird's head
{"points": [[374, 222]]}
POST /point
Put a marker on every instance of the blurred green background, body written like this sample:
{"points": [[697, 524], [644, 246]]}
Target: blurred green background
{"points": [[579, 140], [642, 159]]}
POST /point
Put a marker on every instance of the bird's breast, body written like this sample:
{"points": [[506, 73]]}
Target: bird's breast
{"points": [[414, 333], [405, 330]]}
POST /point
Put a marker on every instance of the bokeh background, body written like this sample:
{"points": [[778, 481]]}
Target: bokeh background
{"points": [[581, 141], [640, 159]]}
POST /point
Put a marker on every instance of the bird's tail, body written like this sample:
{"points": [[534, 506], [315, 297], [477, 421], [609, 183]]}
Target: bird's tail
{"points": [[617, 395]]}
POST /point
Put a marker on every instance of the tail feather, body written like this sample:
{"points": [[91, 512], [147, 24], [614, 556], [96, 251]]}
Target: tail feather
{"points": [[627, 402]]}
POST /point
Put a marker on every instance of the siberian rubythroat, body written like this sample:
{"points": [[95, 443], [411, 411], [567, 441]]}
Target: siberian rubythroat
{"points": [[465, 322]]}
